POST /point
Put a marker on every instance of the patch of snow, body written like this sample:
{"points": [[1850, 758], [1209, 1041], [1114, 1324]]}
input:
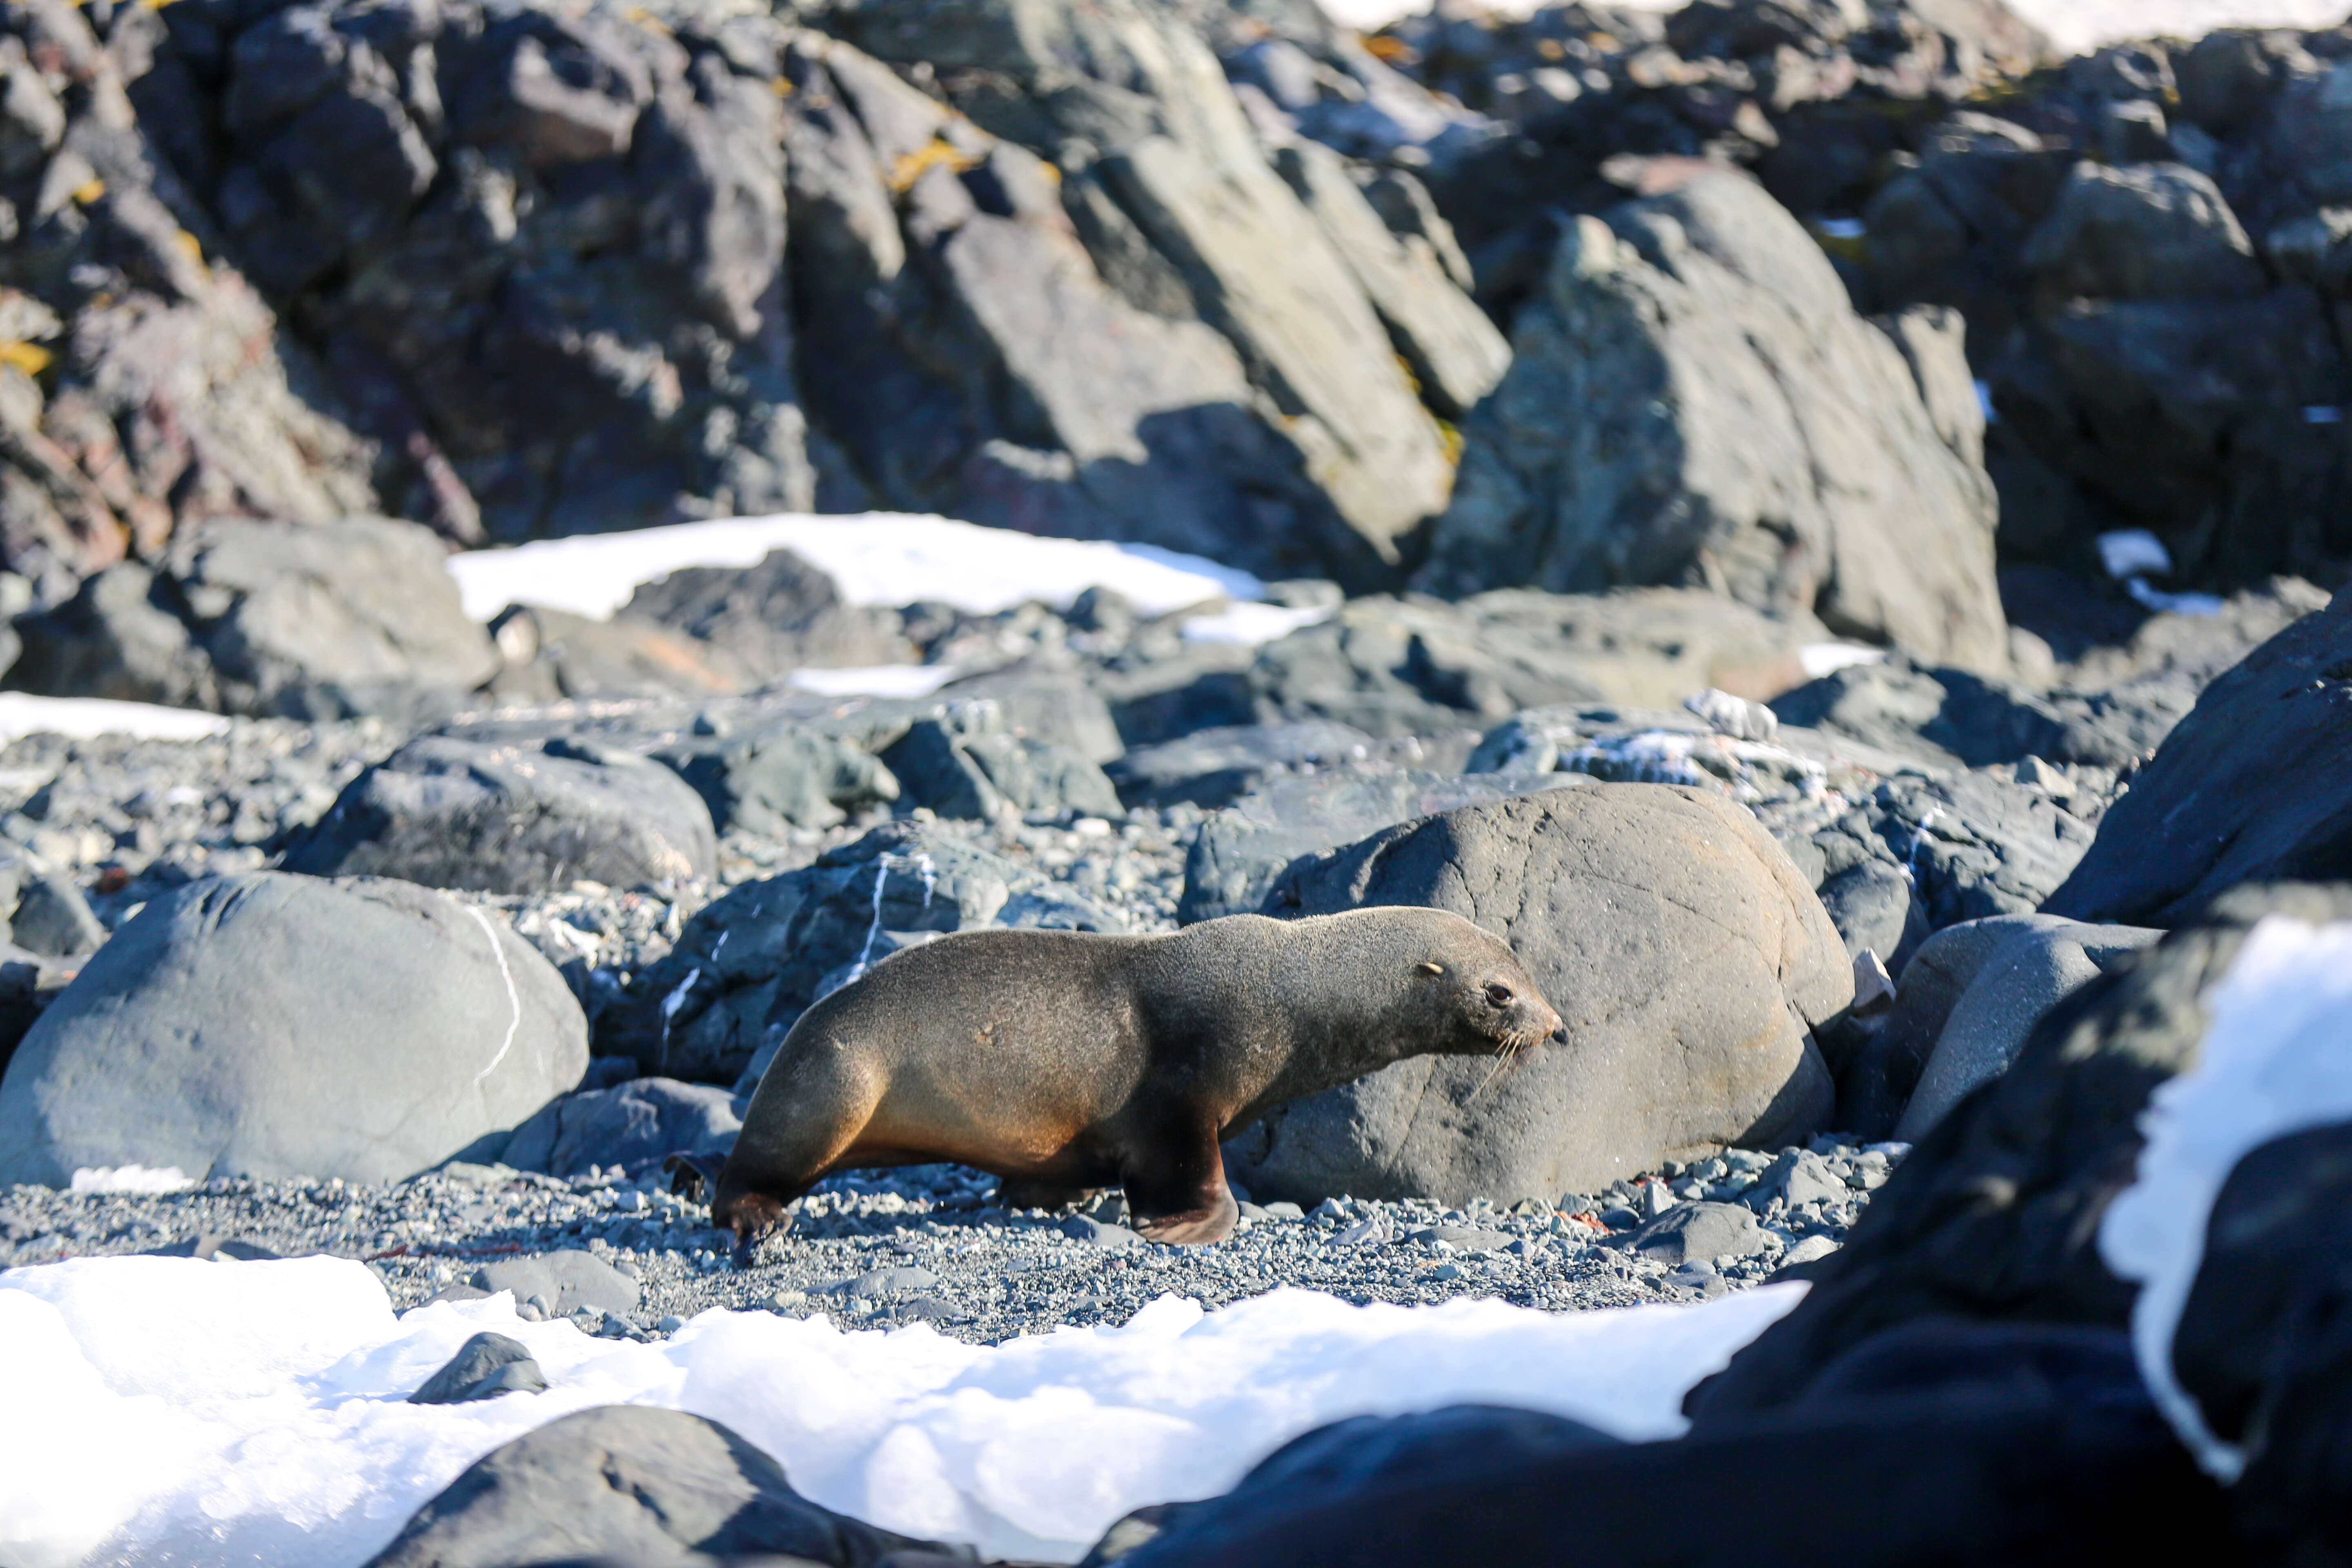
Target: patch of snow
{"points": [[208, 1412], [1841, 228], [1251, 624], [1821, 658], [131, 1179], [1984, 402], [2076, 25], [877, 557], [2132, 552], [875, 681], [2277, 1059], [84, 718]]}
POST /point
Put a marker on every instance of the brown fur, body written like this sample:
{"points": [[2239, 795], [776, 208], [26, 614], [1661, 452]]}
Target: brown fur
{"points": [[1074, 1060]]}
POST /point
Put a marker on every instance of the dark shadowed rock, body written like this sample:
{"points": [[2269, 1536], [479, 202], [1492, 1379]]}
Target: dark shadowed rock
{"points": [[633, 1125], [1241, 853], [765, 621], [54, 920], [629, 1481], [305, 620], [1994, 1216], [1687, 955], [748, 964], [269, 1024], [969, 762], [1213, 767], [2247, 789], [2140, 232], [512, 819]]}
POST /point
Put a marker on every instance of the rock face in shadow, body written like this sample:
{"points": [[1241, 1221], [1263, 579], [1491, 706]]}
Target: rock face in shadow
{"points": [[324, 620], [1694, 401], [1995, 1215], [1687, 955], [2246, 789], [269, 1024]]}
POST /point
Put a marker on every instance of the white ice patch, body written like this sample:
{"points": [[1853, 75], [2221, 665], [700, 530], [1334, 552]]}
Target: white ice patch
{"points": [[875, 681], [877, 558], [85, 718], [1821, 658], [2277, 1060], [131, 1179], [1251, 624], [2204, 607], [2132, 552], [2073, 25], [1841, 228], [205, 1412]]}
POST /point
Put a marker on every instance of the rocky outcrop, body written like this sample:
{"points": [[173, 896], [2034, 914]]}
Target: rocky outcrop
{"points": [[2243, 791], [269, 1024], [1694, 401], [1686, 955], [1995, 1216], [302, 620]]}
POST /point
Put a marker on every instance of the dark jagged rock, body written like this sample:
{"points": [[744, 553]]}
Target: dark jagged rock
{"points": [[1994, 1216], [2242, 791]]}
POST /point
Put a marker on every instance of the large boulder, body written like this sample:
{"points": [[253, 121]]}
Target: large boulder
{"points": [[764, 621], [1995, 1216], [1687, 955], [319, 620], [269, 1024], [2248, 788], [512, 819], [1240, 854], [1694, 401], [629, 1483]]}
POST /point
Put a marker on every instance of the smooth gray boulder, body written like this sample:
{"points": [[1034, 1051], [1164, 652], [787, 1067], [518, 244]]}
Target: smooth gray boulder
{"points": [[566, 1280], [631, 1483], [2016, 986], [54, 920], [322, 620], [485, 1367], [1240, 854], [269, 1024], [1694, 401], [1683, 948], [512, 818], [633, 1125], [2248, 788], [2142, 231], [1698, 1232]]}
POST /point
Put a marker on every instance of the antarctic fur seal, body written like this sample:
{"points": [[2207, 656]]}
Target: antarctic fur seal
{"points": [[1078, 1060]]}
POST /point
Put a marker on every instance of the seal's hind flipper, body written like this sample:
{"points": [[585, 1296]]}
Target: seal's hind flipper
{"points": [[693, 1176], [1176, 1190]]}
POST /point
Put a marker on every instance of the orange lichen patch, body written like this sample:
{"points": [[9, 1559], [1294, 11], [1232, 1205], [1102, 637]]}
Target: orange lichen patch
{"points": [[914, 165], [89, 191], [30, 358], [1391, 50]]}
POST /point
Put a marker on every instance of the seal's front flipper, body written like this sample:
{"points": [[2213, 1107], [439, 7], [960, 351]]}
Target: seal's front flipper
{"points": [[693, 1176], [1176, 1192]]}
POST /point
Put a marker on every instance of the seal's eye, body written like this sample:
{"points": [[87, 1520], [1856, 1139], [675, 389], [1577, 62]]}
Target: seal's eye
{"points": [[1499, 994]]}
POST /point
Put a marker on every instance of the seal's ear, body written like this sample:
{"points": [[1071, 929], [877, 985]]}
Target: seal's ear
{"points": [[1431, 966]]}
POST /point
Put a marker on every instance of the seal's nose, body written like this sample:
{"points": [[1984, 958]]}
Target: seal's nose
{"points": [[1559, 1035]]}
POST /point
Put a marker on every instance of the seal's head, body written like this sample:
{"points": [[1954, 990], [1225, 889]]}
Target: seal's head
{"points": [[1497, 1002]]}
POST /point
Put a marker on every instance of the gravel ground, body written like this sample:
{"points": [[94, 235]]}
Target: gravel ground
{"points": [[928, 1244]]}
